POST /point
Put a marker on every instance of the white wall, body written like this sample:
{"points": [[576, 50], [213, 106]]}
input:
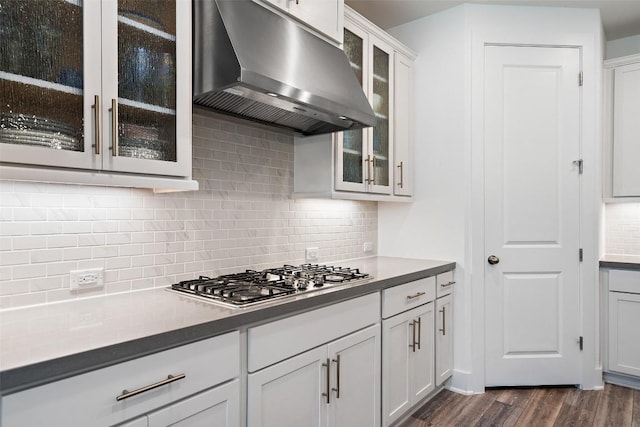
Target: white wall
{"points": [[623, 47], [446, 219], [433, 226], [242, 217]]}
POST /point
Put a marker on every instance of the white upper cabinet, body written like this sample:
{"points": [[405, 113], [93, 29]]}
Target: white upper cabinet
{"points": [[106, 87], [364, 155], [372, 163], [622, 83], [402, 141], [324, 16]]}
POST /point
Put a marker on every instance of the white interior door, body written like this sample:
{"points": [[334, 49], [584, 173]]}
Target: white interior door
{"points": [[532, 139]]}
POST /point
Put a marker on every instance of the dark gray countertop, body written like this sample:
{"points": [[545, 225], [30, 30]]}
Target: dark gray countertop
{"points": [[626, 262], [50, 342]]}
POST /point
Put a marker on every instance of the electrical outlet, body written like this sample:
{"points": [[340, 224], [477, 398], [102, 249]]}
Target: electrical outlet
{"points": [[312, 254], [86, 279], [368, 246]]}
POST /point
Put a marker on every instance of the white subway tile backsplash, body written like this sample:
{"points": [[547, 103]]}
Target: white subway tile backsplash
{"points": [[622, 229], [62, 241], [29, 271], [104, 252], [61, 268], [242, 217], [47, 255]]}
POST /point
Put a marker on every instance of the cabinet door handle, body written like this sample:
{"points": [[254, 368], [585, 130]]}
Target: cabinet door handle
{"points": [[328, 393], [444, 285], [114, 127], [401, 184], [419, 322], [337, 388], [373, 169], [367, 161], [412, 346], [444, 325], [419, 294], [127, 394], [96, 119]]}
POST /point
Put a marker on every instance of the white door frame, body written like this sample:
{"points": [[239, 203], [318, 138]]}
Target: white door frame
{"points": [[590, 195]]}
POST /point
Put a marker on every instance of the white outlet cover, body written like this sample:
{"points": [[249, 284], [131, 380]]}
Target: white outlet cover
{"points": [[311, 254], [368, 246], [86, 279]]}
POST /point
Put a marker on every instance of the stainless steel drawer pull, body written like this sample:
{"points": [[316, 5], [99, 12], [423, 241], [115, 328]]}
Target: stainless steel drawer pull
{"points": [[400, 166], [114, 127], [328, 393], [419, 294], [127, 394], [444, 317], [412, 346], [337, 388], [419, 322], [444, 285], [96, 119], [367, 180]]}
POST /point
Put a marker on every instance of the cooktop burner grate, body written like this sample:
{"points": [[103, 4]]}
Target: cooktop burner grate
{"points": [[251, 286]]}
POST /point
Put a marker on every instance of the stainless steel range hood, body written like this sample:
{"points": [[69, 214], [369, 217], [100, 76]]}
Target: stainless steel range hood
{"points": [[253, 63]]}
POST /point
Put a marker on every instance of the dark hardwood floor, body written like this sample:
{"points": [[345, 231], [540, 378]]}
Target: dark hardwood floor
{"points": [[614, 406]]}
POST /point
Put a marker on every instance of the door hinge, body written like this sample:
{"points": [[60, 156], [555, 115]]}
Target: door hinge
{"points": [[580, 79], [580, 164], [581, 343], [580, 255]]}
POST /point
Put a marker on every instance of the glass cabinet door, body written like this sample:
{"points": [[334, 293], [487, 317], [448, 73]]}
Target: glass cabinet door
{"points": [[46, 91], [352, 145], [143, 133], [381, 96]]}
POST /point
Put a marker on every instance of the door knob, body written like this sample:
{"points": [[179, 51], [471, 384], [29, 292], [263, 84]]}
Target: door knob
{"points": [[493, 260]]}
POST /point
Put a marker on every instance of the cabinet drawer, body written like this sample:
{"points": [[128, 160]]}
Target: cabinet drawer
{"points": [[444, 283], [276, 341], [624, 281], [404, 297], [90, 399]]}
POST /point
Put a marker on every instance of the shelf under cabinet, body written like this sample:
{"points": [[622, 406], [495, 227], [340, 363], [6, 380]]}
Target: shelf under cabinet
{"points": [[18, 78], [148, 107], [146, 28]]}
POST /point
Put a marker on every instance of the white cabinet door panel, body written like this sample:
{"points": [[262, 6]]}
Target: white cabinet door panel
{"points": [[355, 379], [402, 145], [624, 344], [289, 393], [422, 366], [444, 339], [396, 371], [218, 407], [138, 422], [626, 131]]}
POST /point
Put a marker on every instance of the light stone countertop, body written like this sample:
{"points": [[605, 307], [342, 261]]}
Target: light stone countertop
{"points": [[628, 262], [41, 344]]}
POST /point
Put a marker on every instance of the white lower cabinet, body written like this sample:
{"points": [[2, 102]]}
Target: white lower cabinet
{"points": [[444, 339], [335, 381], [217, 407], [624, 318], [300, 380], [165, 388], [337, 384], [407, 354], [407, 346]]}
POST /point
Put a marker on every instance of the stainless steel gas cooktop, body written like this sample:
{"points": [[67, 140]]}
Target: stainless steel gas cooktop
{"points": [[252, 287]]}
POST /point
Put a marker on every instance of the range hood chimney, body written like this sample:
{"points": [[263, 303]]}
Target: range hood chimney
{"points": [[250, 62]]}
